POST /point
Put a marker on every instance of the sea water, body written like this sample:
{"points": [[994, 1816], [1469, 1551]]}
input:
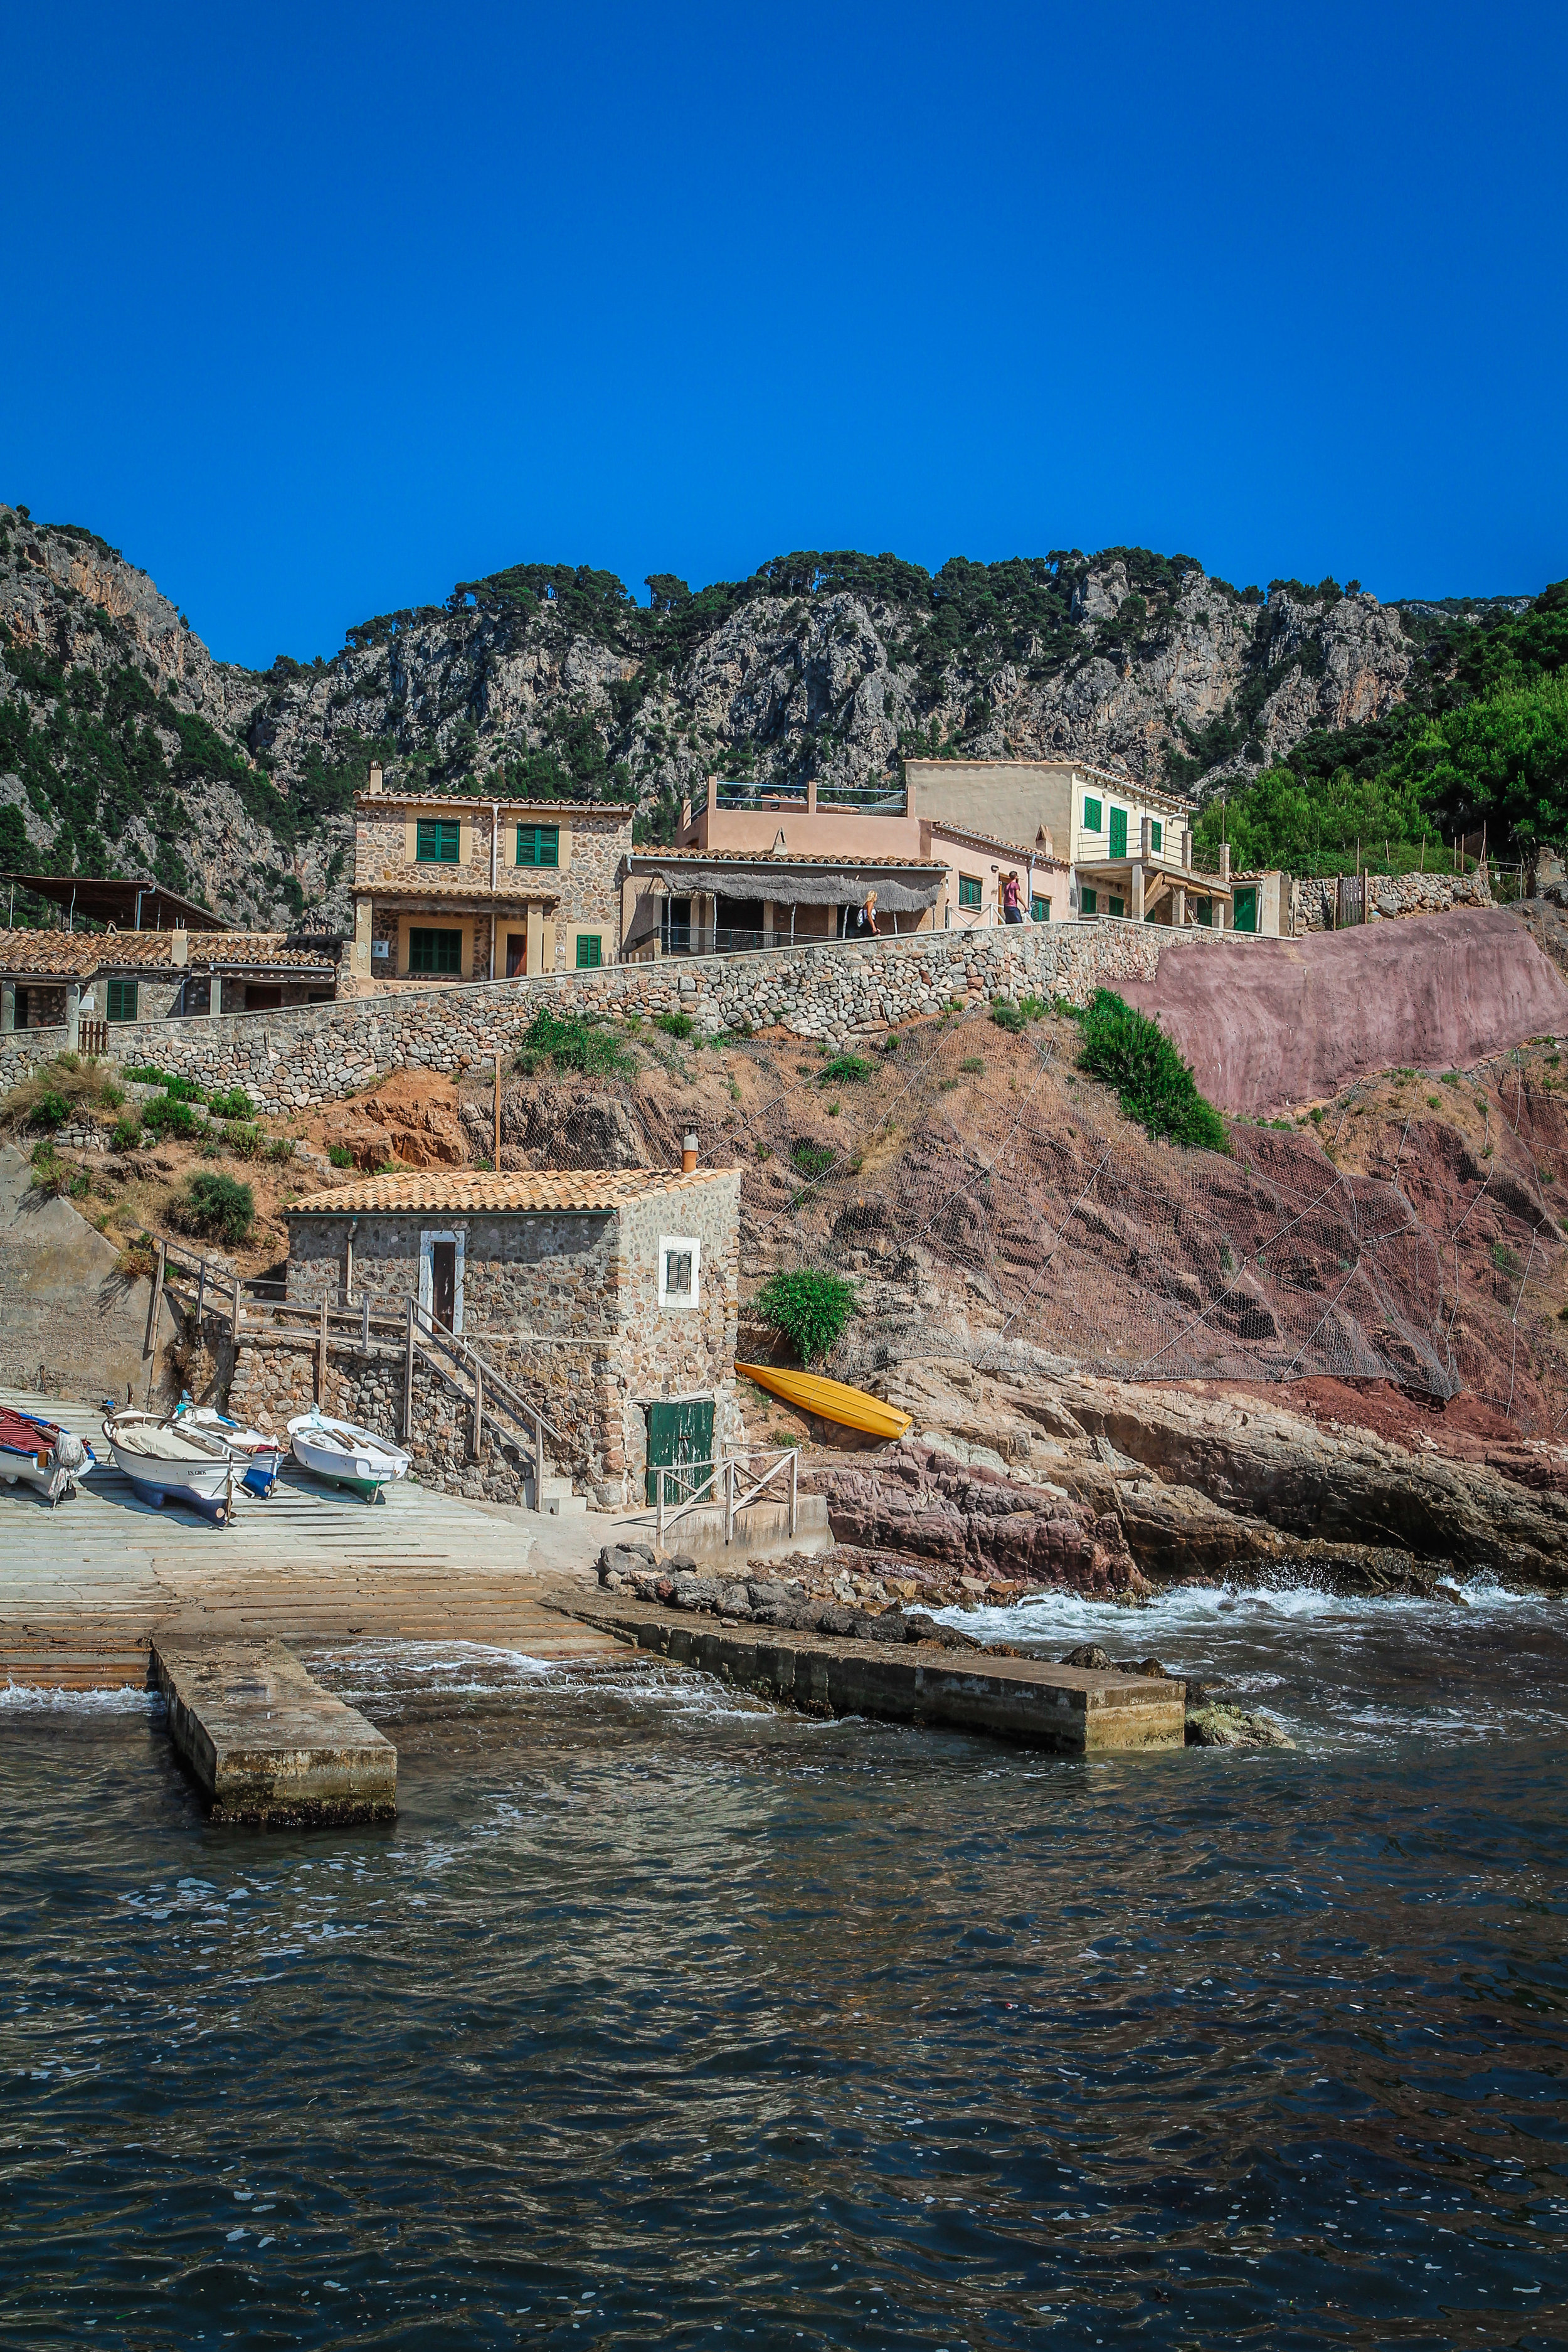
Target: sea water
{"points": [[661, 2017]]}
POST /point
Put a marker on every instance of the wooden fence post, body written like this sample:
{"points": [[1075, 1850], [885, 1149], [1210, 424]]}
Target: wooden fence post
{"points": [[538, 1462], [151, 1340], [364, 1321], [478, 1405], [235, 1314], [322, 1356], [793, 1503], [409, 1383], [201, 1294]]}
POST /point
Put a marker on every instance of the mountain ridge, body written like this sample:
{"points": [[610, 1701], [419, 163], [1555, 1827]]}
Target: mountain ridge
{"points": [[124, 743]]}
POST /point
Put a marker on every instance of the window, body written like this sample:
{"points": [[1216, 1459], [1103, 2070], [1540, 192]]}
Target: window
{"points": [[590, 950], [1039, 909], [435, 952], [971, 890], [1116, 907], [437, 840], [1203, 912], [539, 845], [121, 1003], [1156, 837], [1087, 903], [679, 1267], [1092, 819], [1119, 833]]}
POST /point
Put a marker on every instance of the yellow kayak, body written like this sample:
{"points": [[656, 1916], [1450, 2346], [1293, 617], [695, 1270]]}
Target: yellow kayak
{"points": [[832, 1399]]}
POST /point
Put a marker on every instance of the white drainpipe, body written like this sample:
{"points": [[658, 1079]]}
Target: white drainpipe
{"points": [[495, 838]]}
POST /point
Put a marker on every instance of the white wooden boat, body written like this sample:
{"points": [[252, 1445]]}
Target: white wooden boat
{"points": [[168, 1465], [347, 1456], [42, 1455], [259, 1456]]}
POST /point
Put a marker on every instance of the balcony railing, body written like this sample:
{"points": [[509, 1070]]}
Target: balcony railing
{"points": [[739, 795], [866, 800]]}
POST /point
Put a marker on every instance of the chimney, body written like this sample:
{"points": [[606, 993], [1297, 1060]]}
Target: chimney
{"points": [[374, 785], [688, 1154], [1224, 861]]}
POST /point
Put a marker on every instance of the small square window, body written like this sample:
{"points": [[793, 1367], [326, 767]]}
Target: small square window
{"points": [[971, 890], [590, 950], [1039, 909], [539, 845], [437, 840], [1093, 818], [680, 1270]]}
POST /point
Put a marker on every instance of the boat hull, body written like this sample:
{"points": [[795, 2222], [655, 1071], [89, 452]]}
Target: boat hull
{"points": [[364, 1470], [205, 1487], [830, 1399]]}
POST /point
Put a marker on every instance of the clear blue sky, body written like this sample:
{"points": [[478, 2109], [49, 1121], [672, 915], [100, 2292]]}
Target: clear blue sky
{"points": [[313, 312]]}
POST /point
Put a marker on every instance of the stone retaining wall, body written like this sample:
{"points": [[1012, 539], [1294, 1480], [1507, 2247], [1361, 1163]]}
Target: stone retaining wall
{"points": [[1390, 896], [306, 1054]]}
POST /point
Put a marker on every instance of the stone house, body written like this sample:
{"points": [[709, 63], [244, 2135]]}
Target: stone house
{"points": [[53, 978], [608, 1297], [448, 888]]}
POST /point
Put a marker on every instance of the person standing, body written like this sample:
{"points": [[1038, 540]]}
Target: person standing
{"points": [[1012, 899]]}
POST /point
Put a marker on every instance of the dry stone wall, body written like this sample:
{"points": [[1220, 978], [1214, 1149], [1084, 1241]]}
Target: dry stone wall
{"points": [[304, 1054], [1389, 896]]}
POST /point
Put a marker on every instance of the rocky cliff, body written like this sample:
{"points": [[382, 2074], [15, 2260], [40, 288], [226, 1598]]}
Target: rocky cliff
{"points": [[124, 745]]}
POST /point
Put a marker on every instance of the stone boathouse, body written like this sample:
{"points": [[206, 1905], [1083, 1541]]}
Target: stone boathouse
{"points": [[608, 1297]]}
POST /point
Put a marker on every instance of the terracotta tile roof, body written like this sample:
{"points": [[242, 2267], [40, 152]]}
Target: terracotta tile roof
{"points": [[479, 1191], [371, 802], [77, 955], [782, 858], [518, 882], [251, 948]]}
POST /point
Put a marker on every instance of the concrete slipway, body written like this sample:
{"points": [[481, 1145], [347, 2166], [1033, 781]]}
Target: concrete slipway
{"points": [[106, 1589]]}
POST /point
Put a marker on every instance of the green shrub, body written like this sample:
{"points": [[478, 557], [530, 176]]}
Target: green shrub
{"points": [[972, 1064], [339, 1155], [147, 1074], [1016, 1016], [110, 1096], [845, 1069], [166, 1116], [1505, 1260], [244, 1138], [218, 1207], [281, 1148], [126, 1133], [811, 1159], [236, 1104], [1156, 1087], [675, 1024], [49, 1112], [571, 1040], [1451, 1078], [810, 1309]]}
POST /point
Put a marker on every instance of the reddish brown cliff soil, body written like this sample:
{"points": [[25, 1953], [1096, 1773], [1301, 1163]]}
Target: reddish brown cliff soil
{"points": [[1301, 1018]]}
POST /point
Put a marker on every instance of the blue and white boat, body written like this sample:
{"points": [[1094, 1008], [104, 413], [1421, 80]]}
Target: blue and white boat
{"points": [[168, 1465], [257, 1455]]}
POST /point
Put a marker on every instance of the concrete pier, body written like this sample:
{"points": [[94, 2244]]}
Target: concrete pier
{"points": [[1070, 1710], [265, 1743]]}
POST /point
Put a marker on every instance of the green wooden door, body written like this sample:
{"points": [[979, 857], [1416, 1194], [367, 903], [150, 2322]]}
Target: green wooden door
{"points": [[1246, 911], [1119, 833], [679, 1438]]}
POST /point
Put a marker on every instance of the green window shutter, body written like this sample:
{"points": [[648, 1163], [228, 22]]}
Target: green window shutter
{"points": [[590, 950], [121, 1003], [437, 840], [539, 845], [1093, 819], [1087, 900], [437, 951], [971, 890], [1039, 909], [1156, 837], [1116, 907], [1119, 833]]}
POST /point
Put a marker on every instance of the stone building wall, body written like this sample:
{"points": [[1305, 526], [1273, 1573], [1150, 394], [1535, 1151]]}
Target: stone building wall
{"points": [[551, 1274], [306, 1055]]}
